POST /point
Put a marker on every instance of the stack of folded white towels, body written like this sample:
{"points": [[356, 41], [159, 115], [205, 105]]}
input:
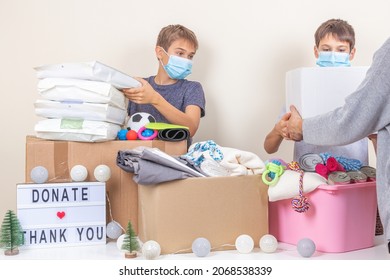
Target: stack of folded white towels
{"points": [[81, 101]]}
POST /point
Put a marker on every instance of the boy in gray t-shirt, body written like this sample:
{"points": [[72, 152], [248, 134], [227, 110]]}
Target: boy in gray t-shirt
{"points": [[168, 96]]}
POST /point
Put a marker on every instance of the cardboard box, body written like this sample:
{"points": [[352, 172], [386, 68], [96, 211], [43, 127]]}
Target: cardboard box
{"points": [[318, 90], [60, 156], [341, 218], [217, 208]]}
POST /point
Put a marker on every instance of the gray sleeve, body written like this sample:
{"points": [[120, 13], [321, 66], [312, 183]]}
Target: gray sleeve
{"points": [[196, 97], [365, 111]]}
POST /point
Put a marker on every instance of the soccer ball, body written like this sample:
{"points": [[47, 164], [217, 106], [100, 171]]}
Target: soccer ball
{"points": [[139, 120]]}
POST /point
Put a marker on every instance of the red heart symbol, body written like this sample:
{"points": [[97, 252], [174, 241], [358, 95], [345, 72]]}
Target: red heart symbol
{"points": [[61, 214]]}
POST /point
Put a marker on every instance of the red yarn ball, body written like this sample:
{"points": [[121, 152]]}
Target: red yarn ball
{"points": [[131, 135]]}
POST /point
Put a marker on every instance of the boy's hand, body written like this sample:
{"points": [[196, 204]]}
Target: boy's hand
{"points": [[144, 94]]}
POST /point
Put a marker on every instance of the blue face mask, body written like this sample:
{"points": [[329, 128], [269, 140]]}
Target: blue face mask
{"points": [[177, 67], [333, 59]]}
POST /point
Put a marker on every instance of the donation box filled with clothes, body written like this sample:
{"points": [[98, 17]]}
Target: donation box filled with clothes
{"points": [[216, 208], [58, 157]]}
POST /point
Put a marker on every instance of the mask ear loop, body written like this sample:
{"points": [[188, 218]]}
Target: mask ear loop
{"points": [[169, 57]]}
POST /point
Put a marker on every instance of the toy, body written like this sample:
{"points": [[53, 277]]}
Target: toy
{"points": [[131, 135], [274, 170], [139, 120], [299, 203], [122, 134], [147, 134]]}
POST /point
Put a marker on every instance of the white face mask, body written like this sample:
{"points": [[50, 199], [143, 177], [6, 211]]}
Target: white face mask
{"points": [[333, 59], [177, 67]]}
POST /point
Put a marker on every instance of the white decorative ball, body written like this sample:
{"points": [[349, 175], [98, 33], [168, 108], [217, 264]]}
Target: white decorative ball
{"points": [[268, 243], [102, 173], [306, 247], [113, 230], [201, 247], [244, 244], [151, 250], [78, 173], [139, 120], [39, 174], [119, 242]]}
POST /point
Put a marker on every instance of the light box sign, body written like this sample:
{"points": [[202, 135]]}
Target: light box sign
{"points": [[62, 214]]}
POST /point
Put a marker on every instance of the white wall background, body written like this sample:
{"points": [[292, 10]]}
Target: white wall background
{"points": [[246, 46]]}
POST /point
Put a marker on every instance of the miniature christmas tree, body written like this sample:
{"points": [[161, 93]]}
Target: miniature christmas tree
{"points": [[11, 234], [130, 242]]}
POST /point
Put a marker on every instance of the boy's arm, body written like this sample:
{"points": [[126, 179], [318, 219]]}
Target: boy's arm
{"points": [[275, 137], [147, 95]]}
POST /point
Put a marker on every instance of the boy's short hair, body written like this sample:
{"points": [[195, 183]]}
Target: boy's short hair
{"points": [[171, 33], [340, 29]]}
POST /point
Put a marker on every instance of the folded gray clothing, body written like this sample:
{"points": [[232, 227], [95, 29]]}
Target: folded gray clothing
{"points": [[153, 166]]}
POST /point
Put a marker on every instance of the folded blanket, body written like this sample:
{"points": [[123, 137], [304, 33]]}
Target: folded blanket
{"points": [[233, 161], [288, 185]]}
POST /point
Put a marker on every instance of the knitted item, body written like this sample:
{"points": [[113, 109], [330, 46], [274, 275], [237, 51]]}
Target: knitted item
{"points": [[348, 164]]}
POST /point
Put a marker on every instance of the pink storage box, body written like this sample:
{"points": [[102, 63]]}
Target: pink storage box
{"points": [[341, 218]]}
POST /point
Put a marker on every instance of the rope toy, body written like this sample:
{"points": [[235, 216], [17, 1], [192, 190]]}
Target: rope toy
{"points": [[299, 203], [348, 163], [274, 170]]}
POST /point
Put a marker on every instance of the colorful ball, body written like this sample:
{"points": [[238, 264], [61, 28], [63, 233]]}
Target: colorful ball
{"points": [[151, 250], [244, 244], [122, 134], [78, 173], [306, 247], [131, 135], [268, 243], [201, 247], [39, 174], [102, 173]]}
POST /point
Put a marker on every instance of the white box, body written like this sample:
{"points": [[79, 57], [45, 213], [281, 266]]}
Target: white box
{"points": [[318, 90]]}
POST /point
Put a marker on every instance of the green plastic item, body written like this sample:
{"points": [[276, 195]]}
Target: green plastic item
{"points": [[161, 126]]}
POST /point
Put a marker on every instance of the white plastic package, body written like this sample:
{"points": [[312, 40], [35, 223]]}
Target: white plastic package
{"points": [[94, 71], [76, 130], [73, 90], [79, 110]]}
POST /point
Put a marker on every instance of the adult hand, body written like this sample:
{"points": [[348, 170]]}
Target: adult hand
{"points": [[294, 125]]}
